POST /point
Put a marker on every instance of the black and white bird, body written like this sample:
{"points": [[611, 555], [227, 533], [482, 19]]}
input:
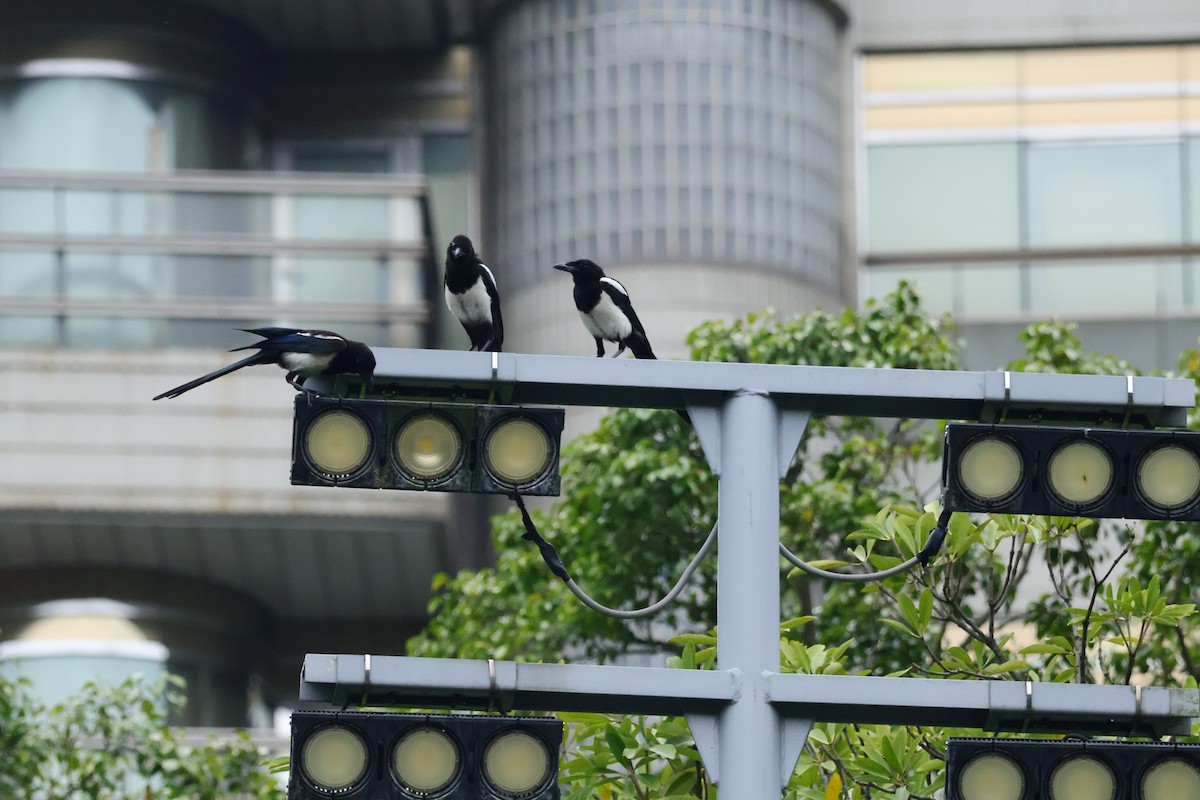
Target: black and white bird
{"points": [[472, 297], [606, 311], [304, 354]]}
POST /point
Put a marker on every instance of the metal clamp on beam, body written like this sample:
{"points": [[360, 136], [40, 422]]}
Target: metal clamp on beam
{"points": [[508, 685], [989, 705], [1094, 710]]}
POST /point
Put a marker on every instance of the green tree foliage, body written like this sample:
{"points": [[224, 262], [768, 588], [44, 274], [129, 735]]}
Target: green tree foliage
{"points": [[113, 742], [639, 499]]}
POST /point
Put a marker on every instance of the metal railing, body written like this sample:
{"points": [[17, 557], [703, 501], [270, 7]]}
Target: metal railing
{"points": [[165, 255]]}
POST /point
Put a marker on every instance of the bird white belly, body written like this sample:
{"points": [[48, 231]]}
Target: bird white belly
{"points": [[472, 307], [307, 364], [606, 321]]}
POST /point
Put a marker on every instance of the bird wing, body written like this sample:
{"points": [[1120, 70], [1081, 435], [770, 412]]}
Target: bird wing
{"points": [[489, 282], [270, 333], [620, 298], [292, 340]]}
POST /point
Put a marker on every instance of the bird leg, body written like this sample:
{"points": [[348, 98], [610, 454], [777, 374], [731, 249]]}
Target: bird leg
{"points": [[293, 379], [599, 347], [620, 349]]}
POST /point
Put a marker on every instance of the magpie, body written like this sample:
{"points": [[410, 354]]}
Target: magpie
{"points": [[302, 353], [472, 297], [607, 313]]}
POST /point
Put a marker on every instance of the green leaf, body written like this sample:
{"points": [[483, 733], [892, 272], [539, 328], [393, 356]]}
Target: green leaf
{"points": [[664, 750], [900, 626], [925, 610], [909, 611], [616, 745], [1012, 665]]}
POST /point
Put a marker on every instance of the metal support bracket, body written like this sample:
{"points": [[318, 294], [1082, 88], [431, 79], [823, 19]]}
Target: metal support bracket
{"points": [[704, 729], [792, 424], [795, 734]]}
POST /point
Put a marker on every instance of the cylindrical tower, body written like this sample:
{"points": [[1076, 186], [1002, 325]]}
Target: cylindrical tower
{"points": [[690, 148]]}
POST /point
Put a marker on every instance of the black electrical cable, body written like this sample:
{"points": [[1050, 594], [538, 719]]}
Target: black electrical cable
{"points": [[550, 556], [932, 545], [554, 562]]}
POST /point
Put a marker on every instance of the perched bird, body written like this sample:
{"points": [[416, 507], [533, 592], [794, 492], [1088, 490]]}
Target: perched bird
{"points": [[472, 297], [607, 313], [303, 354], [604, 305]]}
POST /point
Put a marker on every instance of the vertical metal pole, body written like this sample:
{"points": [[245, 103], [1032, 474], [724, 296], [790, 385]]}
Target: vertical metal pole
{"points": [[749, 736]]}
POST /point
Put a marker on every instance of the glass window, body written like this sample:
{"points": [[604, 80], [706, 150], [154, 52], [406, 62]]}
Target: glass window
{"points": [[1192, 180], [1105, 194], [339, 280], [942, 197], [31, 331], [203, 276], [1107, 288], [122, 332], [987, 291], [112, 275], [27, 211], [26, 274], [332, 217]]}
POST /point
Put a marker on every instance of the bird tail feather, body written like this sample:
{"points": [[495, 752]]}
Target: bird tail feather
{"points": [[257, 358], [640, 346]]}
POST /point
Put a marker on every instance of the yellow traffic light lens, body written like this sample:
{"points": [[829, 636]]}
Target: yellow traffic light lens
{"points": [[991, 776], [337, 443], [428, 446], [334, 758], [517, 450], [1169, 477], [426, 760], [1080, 473], [516, 763], [1082, 778], [1171, 779], [990, 469]]}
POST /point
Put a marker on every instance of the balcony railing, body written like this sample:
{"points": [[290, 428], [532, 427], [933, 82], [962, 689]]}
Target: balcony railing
{"points": [[180, 259]]}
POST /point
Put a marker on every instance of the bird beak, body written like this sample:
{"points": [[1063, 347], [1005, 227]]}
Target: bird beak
{"points": [[456, 252], [565, 268]]}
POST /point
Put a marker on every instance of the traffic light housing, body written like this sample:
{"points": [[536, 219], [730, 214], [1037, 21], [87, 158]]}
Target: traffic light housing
{"points": [[440, 447], [1064, 471], [1074, 769], [355, 755]]}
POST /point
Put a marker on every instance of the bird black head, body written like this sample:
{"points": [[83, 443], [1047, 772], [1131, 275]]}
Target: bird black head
{"points": [[355, 360], [460, 247], [582, 270], [366, 361]]}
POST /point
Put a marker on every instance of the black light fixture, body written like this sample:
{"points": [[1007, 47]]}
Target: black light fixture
{"points": [[385, 756], [1063, 471], [1043, 769], [442, 447]]}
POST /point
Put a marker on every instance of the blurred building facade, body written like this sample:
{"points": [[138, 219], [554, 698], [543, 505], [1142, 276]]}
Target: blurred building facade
{"points": [[1025, 160], [172, 170]]}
